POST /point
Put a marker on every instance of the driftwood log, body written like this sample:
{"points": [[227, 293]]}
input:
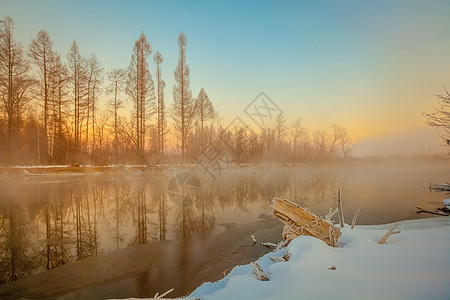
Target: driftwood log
{"points": [[300, 221], [421, 210], [439, 186]]}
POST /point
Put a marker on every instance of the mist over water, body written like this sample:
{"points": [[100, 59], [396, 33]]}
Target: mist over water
{"points": [[51, 220]]}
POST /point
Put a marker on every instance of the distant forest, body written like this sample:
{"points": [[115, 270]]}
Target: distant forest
{"points": [[50, 113]]}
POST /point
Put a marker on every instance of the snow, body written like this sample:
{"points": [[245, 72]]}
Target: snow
{"points": [[414, 264], [447, 203]]}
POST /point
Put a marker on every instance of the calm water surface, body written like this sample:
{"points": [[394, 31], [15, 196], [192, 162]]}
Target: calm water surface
{"points": [[52, 220]]}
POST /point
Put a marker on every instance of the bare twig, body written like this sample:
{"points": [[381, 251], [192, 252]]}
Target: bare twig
{"points": [[275, 258], [258, 271], [389, 233], [341, 211], [269, 245], [356, 217], [162, 295]]}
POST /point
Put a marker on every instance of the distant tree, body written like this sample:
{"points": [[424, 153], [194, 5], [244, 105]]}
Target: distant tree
{"points": [[116, 81], [339, 139], [299, 137], [204, 112], [183, 109], [140, 89], [320, 142], [14, 82], [280, 129], [42, 55], [440, 117]]}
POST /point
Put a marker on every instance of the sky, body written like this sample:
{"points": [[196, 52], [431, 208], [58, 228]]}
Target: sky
{"points": [[370, 66]]}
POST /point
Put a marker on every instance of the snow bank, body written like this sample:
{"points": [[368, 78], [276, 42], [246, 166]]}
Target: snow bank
{"points": [[414, 264], [447, 203]]}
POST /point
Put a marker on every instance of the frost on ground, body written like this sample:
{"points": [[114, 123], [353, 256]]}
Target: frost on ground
{"points": [[414, 264]]}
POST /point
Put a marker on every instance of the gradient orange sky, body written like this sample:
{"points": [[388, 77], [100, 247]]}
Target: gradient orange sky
{"points": [[371, 66]]}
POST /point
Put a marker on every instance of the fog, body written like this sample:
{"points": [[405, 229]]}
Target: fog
{"points": [[53, 219]]}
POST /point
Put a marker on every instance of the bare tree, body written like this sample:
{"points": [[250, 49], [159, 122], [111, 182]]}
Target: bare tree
{"points": [[158, 59], [14, 82], [299, 140], [58, 82], [94, 72], [41, 53], [75, 68], [339, 138], [440, 117], [140, 89], [183, 108], [204, 112], [320, 141], [116, 81]]}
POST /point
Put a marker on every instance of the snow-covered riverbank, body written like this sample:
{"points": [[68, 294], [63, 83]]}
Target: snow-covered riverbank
{"points": [[414, 264]]}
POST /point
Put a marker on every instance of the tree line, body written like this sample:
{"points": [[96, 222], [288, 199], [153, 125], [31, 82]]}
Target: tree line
{"points": [[51, 113]]}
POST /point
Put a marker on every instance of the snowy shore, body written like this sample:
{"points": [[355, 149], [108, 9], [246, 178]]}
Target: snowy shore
{"points": [[414, 264]]}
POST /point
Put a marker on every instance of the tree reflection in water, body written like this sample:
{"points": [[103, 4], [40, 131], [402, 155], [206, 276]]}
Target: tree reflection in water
{"points": [[48, 221]]}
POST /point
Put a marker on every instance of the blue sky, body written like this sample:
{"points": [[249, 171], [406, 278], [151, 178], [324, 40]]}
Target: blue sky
{"points": [[371, 66]]}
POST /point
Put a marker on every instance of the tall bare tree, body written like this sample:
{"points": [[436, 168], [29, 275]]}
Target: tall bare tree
{"points": [[116, 81], [75, 71], [204, 112], [41, 53], [93, 81], [140, 89], [58, 82], [14, 82], [183, 109], [158, 59]]}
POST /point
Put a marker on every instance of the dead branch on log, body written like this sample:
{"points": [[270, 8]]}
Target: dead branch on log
{"points": [[389, 233], [300, 221], [258, 271], [331, 214], [356, 217]]}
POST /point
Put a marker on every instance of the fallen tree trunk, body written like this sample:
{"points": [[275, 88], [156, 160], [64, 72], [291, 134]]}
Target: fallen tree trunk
{"points": [[300, 221]]}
